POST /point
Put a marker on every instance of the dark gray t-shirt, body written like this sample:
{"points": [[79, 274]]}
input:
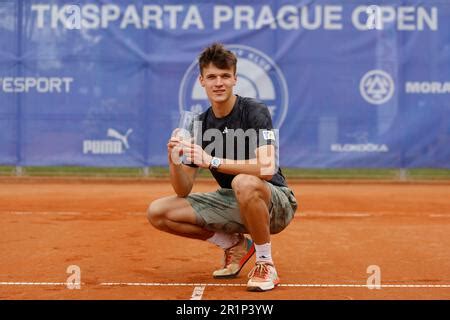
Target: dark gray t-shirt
{"points": [[237, 135]]}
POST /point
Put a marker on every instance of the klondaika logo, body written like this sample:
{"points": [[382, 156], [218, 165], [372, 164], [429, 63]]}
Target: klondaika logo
{"points": [[361, 144], [258, 77]]}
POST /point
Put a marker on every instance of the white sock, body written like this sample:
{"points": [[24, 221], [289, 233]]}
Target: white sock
{"points": [[264, 252], [224, 240]]}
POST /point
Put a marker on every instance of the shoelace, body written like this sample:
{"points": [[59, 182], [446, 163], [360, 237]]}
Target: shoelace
{"points": [[228, 257], [261, 270], [229, 254]]}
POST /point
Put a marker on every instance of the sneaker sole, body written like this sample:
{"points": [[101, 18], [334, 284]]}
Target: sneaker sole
{"points": [[261, 289], [250, 253]]}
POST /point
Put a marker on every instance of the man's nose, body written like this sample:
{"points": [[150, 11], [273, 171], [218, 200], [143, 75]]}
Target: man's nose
{"points": [[219, 81]]}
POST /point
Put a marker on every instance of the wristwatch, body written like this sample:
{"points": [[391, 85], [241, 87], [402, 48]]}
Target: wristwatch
{"points": [[215, 163]]}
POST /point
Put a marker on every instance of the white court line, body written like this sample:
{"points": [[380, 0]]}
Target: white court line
{"points": [[42, 213], [198, 293], [335, 214], [39, 283], [311, 214], [439, 215], [66, 213], [200, 285], [156, 284], [159, 284]]}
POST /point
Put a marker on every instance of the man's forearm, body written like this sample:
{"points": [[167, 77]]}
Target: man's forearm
{"points": [[252, 167], [181, 182]]}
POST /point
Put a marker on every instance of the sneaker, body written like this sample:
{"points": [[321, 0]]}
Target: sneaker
{"points": [[263, 277], [235, 259]]}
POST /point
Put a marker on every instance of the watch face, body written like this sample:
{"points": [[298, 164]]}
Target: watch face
{"points": [[215, 162]]}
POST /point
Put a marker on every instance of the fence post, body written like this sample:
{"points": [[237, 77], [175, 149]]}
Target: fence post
{"points": [[19, 72], [19, 171], [403, 174]]}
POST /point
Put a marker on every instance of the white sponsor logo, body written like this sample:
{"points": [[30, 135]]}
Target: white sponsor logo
{"points": [[39, 84], [268, 135], [376, 87], [258, 77], [361, 144], [427, 87], [363, 147], [117, 146]]}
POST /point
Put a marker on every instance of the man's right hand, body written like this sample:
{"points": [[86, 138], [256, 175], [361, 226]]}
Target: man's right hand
{"points": [[174, 148], [181, 177]]}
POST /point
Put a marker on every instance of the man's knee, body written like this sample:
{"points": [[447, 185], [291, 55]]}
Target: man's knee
{"points": [[156, 214], [247, 188]]}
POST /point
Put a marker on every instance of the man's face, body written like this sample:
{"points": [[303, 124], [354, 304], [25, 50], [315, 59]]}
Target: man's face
{"points": [[218, 83]]}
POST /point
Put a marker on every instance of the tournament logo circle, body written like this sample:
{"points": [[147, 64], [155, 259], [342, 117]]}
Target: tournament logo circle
{"points": [[258, 77], [377, 87]]}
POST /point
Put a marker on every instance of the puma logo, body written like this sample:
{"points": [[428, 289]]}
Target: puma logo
{"points": [[112, 133]]}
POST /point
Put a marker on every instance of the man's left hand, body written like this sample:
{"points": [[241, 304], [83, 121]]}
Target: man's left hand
{"points": [[196, 155]]}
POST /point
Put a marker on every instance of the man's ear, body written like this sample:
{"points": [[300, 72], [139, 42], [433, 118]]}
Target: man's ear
{"points": [[200, 79]]}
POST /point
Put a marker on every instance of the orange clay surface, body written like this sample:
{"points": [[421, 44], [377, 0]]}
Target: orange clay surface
{"points": [[340, 229]]}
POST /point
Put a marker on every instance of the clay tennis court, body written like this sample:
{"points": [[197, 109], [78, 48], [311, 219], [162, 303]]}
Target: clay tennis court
{"points": [[340, 229]]}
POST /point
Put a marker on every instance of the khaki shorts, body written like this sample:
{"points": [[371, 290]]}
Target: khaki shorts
{"points": [[219, 210]]}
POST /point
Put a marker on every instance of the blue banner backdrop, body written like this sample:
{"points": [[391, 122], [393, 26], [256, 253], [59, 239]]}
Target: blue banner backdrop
{"points": [[349, 83]]}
